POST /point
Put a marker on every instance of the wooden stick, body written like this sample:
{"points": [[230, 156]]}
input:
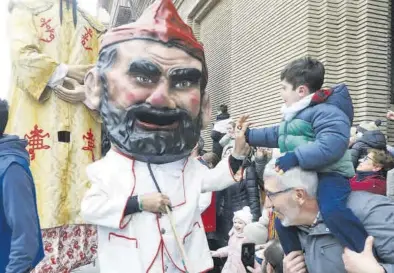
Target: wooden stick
{"points": [[182, 251]]}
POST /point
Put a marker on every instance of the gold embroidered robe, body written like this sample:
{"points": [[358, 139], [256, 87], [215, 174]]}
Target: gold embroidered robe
{"points": [[39, 43]]}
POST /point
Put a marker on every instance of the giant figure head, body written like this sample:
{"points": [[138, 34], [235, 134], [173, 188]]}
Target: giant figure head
{"points": [[149, 86]]}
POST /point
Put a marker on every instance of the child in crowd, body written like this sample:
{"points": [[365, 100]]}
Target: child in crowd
{"points": [[314, 134], [237, 238]]}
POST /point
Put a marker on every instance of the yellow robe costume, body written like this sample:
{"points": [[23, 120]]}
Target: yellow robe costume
{"points": [[39, 43]]}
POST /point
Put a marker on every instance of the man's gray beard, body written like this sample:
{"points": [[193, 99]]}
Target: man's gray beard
{"points": [[156, 147], [289, 221]]}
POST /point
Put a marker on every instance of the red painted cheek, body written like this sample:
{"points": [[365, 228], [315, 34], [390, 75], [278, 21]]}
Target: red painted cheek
{"points": [[195, 104], [130, 97]]}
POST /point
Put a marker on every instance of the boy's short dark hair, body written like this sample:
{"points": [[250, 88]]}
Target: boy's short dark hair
{"points": [[3, 115], [304, 71]]}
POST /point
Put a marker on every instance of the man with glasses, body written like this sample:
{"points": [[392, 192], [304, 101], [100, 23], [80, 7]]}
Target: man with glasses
{"points": [[292, 196]]}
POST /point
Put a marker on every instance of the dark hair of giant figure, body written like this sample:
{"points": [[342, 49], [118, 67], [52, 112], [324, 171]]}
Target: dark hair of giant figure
{"points": [[74, 10]]}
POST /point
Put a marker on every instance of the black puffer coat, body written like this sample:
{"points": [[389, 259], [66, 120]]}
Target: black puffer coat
{"points": [[234, 198], [217, 136], [369, 140]]}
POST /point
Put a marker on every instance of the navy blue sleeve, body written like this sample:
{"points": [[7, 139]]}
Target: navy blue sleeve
{"points": [[332, 131], [263, 137], [20, 212]]}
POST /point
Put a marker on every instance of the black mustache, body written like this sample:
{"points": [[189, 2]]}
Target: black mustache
{"points": [[143, 108], [161, 116]]}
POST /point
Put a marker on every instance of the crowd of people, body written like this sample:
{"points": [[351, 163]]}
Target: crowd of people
{"points": [[306, 195], [359, 155]]}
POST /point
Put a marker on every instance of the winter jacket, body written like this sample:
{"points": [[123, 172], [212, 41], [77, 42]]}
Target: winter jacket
{"points": [[318, 134], [260, 163], [323, 252], [234, 198], [223, 116], [233, 254], [21, 246], [374, 183], [369, 140]]}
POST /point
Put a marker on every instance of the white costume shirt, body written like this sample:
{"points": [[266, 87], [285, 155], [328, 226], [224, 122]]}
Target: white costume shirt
{"points": [[144, 242]]}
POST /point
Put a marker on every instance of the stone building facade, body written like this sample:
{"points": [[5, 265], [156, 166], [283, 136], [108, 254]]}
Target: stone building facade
{"points": [[248, 42]]}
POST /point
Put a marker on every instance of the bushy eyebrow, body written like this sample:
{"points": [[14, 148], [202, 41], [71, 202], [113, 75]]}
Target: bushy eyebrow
{"points": [[144, 67], [179, 74]]}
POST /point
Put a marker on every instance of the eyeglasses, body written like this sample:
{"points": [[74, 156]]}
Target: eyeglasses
{"points": [[365, 158], [270, 194]]}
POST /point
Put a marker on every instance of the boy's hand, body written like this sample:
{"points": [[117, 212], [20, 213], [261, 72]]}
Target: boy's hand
{"points": [[263, 152], [286, 162]]}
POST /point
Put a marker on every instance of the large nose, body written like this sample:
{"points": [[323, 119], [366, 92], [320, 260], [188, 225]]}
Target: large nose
{"points": [[160, 97]]}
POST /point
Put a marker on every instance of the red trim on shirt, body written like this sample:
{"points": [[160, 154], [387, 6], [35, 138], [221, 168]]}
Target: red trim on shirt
{"points": [[162, 256], [123, 237], [157, 253], [188, 234], [131, 194], [169, 256], [122, 154], [160, 245]]}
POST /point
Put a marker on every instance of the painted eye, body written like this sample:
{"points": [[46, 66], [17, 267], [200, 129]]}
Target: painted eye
{"points": [[183, 84], [143, 79]]}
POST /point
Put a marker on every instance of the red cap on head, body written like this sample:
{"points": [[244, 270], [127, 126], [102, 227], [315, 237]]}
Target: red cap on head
{"points": [[160, 22]]}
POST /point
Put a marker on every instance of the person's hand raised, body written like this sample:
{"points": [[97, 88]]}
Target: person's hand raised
{"points": [[363, 262], [241, 148]]}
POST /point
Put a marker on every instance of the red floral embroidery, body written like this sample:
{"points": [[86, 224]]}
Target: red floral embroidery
{"points": [[71, 247], [86, 37], [48, 248], [89, 138], [49, 29], [36, 141]]}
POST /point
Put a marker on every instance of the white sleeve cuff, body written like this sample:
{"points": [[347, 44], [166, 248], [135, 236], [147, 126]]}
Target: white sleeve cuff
{"points": [[58, 76]]}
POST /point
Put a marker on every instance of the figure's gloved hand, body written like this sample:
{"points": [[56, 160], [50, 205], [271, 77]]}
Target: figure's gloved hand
{"points": [[154, 202], [71, 91], [286, 162]]}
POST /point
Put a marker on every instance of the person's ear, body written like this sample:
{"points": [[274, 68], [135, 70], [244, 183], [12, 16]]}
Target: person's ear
{"points": [[376, 168], [92, 89], [206, 110], [303, 91], [300, 196]]}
